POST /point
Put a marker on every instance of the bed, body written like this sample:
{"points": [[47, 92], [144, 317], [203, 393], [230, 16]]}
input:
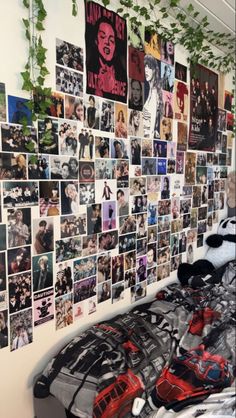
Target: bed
{"points": [[153, 351]]}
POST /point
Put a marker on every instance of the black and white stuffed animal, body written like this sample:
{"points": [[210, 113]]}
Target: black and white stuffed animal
{"points": [[222, 248]]}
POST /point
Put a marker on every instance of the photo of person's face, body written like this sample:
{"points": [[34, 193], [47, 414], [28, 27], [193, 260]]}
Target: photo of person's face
{"points": [[136, 91], [106, 41], [79, 112], [148, 72], [170, 48]]}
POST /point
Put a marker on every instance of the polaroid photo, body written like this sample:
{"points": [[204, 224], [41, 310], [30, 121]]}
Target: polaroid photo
{"points": [[74, 108], [68, 248], [69, 81], [87, 193], [117, 274], [85, 289], [139, 291], [38, 167], [86, 145], [43, 235], [175, 262], [181, 101], [102, 147], [141, 247], [103, 267], [130, 279], [2, 272], [89, 245], [14, 140], [118, 290], [122, 173], [108, 216], [168, 104], [135, 123], [78, 310], [3, 319], [107, 121], [19, 227], [164, 207], [3, 112], [42, 266], [64, 280], [69, 55], [163, 271], [13, 166], [163, 239], [64, 310], [127, 243], [19, 260], [105, 190], [18, 110], [48, 136], [56, 108], [164, 223], [104, 291], [43, 307], [163, 255], [68, 139], [147, 148], [135, 151], [136, 36], [139, 204], [20, 292], [121, 120], [20, 194], [72, 225], [64, 167], [180, 72], [107, 241], [130, 260], [136, 94], [149, 166], [21, 329], [94, 214], [105, 169], [49, 202], [91, 111], [69, 197]]}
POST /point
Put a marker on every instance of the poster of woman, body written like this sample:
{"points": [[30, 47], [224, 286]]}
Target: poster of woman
{"points": [[106, 53], [203, 109]]}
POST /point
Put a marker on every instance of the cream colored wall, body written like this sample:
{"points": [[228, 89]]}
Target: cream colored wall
{"points": [[18, 368]]}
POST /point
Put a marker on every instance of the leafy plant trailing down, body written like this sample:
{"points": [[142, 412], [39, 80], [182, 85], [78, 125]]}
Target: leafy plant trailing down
{"points": [[195, 37], [35, 68]]}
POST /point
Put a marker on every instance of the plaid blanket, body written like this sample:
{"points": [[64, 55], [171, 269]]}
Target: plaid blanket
{"points": [[100, 372]]}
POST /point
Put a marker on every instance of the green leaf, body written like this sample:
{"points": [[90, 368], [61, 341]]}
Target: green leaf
{"points": [[27, 34], [105, 2], [74, 10], [174, 3], [190, 8], [39, 26], [26, 23], [26, 3]]}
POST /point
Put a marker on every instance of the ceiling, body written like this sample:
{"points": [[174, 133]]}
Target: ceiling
{"points": [[220, 14]]}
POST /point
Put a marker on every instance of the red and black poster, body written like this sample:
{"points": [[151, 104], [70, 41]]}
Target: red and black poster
{"points": [[106, 52], [203, 109]]}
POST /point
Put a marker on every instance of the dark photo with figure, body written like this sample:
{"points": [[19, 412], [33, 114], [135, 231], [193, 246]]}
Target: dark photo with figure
{"points": [[203, 109], [106, 53]]}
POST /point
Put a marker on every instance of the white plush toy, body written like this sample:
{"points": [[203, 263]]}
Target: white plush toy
{"points": [[222, 246]]}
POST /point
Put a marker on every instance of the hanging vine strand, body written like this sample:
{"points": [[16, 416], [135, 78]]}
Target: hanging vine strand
{"points": [[194, 36]]}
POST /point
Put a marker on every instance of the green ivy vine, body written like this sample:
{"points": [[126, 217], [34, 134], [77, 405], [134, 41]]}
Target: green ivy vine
{"points": [[35, 70], [196, 38]]}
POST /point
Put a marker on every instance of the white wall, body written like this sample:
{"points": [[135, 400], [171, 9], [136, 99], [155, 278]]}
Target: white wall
{"points": [[18, 368]]}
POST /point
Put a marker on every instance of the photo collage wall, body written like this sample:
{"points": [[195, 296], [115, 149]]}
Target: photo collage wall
{"points": [[117, 186]]}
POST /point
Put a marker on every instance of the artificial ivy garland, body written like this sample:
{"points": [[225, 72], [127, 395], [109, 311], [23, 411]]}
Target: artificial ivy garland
{"points": [[196, 40]]}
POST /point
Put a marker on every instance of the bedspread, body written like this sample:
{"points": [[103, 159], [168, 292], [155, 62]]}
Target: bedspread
{"points": [[100, 372]]}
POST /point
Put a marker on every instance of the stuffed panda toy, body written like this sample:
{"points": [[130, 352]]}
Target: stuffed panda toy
{"points": [[222, 249], [222, 246]]}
